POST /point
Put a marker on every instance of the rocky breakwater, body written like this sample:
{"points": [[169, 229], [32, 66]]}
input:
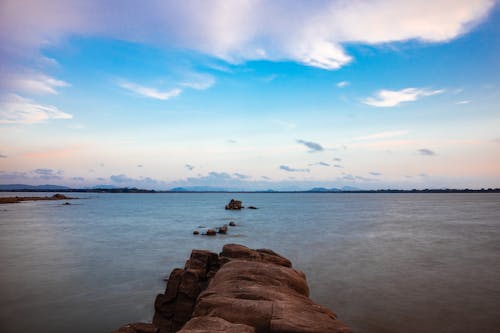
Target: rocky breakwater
{"points": [[238, 291]]}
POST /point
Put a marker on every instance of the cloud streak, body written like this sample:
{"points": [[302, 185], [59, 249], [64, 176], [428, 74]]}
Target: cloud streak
{"points": [[426, 152], [15, 109], [150, 92], [290, 169], [313, 146], [391, 98]]}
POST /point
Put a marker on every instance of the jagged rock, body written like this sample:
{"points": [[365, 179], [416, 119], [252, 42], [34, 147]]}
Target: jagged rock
{"points": [[239, 291], [60, 197], [234, 205]]}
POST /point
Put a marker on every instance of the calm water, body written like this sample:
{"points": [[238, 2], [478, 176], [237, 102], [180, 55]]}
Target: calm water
{"points": [[382, 262]]}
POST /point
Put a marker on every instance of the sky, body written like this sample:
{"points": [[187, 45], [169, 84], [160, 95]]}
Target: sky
{"points": [[250, 94]]}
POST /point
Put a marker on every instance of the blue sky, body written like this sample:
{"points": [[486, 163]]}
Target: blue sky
{"points": [[250, 94]]}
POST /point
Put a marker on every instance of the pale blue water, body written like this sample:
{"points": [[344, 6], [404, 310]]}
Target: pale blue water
{"points": [[382, 262]]}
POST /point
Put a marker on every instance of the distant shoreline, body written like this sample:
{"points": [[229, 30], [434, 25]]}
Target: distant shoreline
{"points": [[135, 190]]}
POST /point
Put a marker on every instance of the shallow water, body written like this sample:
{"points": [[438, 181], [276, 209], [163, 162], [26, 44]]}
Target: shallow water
{"points": [[382, 262]]}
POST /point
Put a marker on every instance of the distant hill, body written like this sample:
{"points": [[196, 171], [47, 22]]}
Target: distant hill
{"points": [[343, 189], [24, 187], [199, 189]]}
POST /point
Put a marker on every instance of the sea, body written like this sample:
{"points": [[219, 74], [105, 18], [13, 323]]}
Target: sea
{"points": [[384, 263]]}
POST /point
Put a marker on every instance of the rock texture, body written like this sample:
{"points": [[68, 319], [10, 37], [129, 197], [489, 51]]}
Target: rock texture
{"points": [[238, 291], [234, 205]]}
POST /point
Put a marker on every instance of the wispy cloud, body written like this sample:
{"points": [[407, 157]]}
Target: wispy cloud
{"points": [[382, 135], [3, 156], [28, 82], [313, 146], [463, 102], [198, 81], [239, 31], [320, 164], [343, 84], [337, 159], [15, 109], [390, 98], [338, 166], [241, 176], [373, 173], [189, 167], [290, 169], [150, 92], [426, 152]]}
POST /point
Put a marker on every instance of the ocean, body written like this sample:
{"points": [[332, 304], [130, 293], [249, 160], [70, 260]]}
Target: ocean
{"points": [[383, 263]]}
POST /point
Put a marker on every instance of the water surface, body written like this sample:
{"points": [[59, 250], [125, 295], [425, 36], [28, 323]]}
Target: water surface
{"points": [[383, 262]]}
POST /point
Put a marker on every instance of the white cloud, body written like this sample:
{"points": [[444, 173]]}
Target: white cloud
{"points": [[17, 109], [150, 92], [382, 135], [31, 83], [343, 84], [199, 81], [463, 102], [311, 33], [390, 98]]}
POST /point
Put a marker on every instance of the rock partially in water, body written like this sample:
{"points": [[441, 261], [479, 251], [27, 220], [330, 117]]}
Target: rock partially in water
{"points": [[232, 224], [196, 232], [223, 229], [234, 205], [252, 207], [239, 291], [210, 232]]}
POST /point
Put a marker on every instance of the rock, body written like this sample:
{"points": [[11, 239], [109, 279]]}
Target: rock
{"points": [[196, 232], [174, 308], [238, 291], [210, 232], [138, 328], [60, 197], [232, 224], [223, 229], [234, 205], [252, 207], [66, 204]]}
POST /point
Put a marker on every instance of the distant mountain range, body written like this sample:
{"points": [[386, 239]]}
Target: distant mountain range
{"points": [[114, 189], [24, 187]]}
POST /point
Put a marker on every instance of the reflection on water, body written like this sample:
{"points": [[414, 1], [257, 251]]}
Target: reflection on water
{"points": [[382, 262]]}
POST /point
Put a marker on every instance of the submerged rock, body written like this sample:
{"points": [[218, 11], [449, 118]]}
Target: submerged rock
{"points": [[252, 207], [234, 205], [238, 291]]}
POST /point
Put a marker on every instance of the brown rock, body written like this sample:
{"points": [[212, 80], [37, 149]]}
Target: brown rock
{"points": [[234, 205], [223, 229], [210, 232], [239, 291]]}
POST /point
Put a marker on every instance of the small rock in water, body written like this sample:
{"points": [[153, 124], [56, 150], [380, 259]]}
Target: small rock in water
{"points": [[196, 232], [210, 232], [234, 205], [66, 204], [252, 207], [232, 224], [223, 229]]}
